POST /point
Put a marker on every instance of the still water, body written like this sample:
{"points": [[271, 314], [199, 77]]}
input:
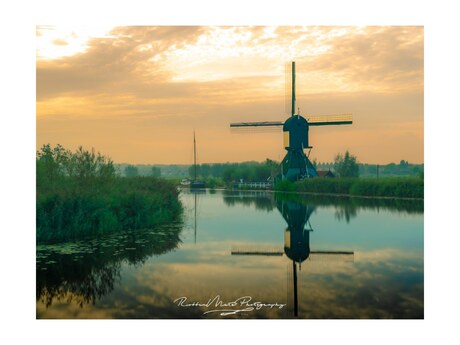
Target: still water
{"points": [[246, 255]]}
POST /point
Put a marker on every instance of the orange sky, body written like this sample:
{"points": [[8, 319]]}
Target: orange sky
{"points": [[137, 93]]}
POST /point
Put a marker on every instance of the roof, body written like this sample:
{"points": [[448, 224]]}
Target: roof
{"points": [[325, 173]]}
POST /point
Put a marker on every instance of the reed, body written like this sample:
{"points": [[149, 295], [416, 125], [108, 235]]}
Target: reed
{"points": [[79, 198], [401, 187]]}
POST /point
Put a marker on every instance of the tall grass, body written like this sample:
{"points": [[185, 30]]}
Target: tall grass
{"points": [[407, 187], [79, 195]]}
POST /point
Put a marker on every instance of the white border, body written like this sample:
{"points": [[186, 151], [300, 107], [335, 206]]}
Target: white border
{"points": [[17, 72]]}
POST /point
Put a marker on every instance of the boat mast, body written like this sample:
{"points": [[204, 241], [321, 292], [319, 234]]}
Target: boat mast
{"points": [[194, 155]]}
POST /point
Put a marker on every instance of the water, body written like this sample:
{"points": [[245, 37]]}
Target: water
{"points": [[246, 255]]}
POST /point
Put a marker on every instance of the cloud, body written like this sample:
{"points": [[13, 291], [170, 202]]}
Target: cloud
{"points": [[136, 59], [156, 84], [116, 64], [388, 58], [60, 42]]}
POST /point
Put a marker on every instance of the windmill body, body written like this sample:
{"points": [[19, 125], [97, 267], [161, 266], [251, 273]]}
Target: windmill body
{"points": [[296, 164]]}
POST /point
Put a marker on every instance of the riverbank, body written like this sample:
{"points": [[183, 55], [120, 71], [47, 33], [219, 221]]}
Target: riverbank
{"points": [[79, 195], [70, 213], [392, 187], [405, 187]]}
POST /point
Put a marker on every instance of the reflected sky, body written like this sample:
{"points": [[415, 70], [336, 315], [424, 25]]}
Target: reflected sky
{"points": [[383, 279]]}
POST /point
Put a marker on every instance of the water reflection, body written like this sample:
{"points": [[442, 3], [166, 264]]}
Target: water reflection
{"points": [[195, 193], [346, 207], [83, 272], [290, 240], [261, 200], [296, 237]]}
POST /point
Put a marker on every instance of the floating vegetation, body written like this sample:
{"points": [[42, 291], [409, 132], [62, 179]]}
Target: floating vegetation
{"points": [[87, 270]]}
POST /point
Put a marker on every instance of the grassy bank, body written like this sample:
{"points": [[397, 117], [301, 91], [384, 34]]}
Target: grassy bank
{"points": [[400, 187], [79, 195]]}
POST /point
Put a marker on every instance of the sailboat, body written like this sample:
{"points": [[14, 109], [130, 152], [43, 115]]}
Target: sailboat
{"points": [[195, 184]]}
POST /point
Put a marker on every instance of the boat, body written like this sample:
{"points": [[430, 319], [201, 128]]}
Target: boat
{"points": [[195, 184]]}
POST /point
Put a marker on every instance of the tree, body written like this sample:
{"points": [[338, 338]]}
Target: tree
{"points": [[59, 162], [273, 167], [156, 172], [346, 165], [131, 171], [315, 164]]}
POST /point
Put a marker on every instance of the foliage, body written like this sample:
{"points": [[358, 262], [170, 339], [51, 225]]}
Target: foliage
{"points": [[314, 162], [407, 187], [346, 165], [392, 169], [285, 186], [156, 172], [82, 167], [131, 171], [79, 195], [214, 182], [246, 171]]}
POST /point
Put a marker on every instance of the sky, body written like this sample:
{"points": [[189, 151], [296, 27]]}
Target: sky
{"points": [[137, 94]]}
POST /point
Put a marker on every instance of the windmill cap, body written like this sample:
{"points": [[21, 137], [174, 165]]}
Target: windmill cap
{"points": [[294, 121]]}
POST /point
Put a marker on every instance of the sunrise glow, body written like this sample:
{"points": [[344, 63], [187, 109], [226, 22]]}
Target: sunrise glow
{"points": [[138, 93]]}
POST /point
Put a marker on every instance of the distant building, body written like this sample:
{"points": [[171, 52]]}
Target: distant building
{"points": [[325, 173]]}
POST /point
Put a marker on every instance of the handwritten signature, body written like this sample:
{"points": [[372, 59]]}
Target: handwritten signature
{"points": [[227, 308]]}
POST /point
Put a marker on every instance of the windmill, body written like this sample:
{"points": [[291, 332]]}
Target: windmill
{"points": [[296, 164], [296, 242]]}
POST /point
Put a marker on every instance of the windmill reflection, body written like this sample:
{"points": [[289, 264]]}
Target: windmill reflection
{"points": [[296, 241], [296, 237]]}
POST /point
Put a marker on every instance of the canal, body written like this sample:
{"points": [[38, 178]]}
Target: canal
{"points": [[246, 254]]}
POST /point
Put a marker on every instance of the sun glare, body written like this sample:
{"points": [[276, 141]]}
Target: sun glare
{"points": [[55, 42]]}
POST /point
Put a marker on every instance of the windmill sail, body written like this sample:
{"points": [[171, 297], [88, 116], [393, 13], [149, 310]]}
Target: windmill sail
{"points": [[328, 120], [257, 124], [289, 88]]}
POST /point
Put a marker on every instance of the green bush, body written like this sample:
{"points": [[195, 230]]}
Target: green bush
{"points": [[79, 195], [285, 186]]}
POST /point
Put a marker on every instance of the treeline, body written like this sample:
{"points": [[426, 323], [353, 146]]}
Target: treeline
{"points": [[79, 194], [229, 172], [260, 170], [167, 171], [403, 168]]}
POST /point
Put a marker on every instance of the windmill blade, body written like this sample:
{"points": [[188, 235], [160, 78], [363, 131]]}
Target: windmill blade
{"points": [[288, 87], [256, 124], [328, 120], [257, 250], [335, 256], [332, 252]]}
